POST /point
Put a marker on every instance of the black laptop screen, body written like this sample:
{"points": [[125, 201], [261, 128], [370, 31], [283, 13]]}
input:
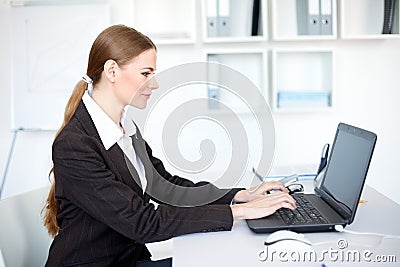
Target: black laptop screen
{"points": [[348, 165]]}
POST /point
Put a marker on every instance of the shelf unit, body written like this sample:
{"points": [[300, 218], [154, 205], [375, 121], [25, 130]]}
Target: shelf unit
{"points": [[294, 20], [310, 84], [232, 21], [160, 26], [281, 50], [252, 63], [363, 19]]}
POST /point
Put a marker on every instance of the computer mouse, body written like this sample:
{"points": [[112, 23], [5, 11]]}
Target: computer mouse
{"points": [[288, 241]]}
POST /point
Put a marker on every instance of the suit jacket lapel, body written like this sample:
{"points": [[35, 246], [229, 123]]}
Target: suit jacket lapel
{"points": [[125, 168], [116, 159], [140, 148]]}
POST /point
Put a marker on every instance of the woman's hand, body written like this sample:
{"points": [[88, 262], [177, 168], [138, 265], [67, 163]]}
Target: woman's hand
{"points": [[258, 191], [263, 206]]}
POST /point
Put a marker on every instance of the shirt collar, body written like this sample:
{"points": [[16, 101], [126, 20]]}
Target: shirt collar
{"points": [[127, 123], [108, 131]]}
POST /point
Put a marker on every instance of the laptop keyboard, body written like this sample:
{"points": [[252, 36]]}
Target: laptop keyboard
{"points": [[305, 213]]}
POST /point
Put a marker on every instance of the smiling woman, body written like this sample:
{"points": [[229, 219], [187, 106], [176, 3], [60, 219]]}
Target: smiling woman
{"points": [[104, 171]]}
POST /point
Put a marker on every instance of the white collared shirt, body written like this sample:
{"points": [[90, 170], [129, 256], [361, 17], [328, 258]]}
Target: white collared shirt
{"points": [[110, 134]]}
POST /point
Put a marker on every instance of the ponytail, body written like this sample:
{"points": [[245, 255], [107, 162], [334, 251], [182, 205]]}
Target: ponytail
{"points": [[51, 206]]}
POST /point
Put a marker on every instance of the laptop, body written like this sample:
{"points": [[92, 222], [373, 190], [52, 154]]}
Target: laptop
{"points": [[336, 201]]}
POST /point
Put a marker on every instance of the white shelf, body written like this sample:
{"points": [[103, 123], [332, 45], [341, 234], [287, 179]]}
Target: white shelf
{"points": [[291, 20], [305, 72], [238, 15], [363, 19], [16, 3], [164, 27], [302, 79], [252, 63], [249, 39]]}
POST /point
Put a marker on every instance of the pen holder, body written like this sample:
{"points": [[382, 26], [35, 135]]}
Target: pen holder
{"points": [[318, 178]]}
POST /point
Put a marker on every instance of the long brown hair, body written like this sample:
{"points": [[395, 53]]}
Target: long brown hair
{"points": [[119, 43]]}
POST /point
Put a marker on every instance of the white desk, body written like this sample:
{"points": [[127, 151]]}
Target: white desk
{"points": [[240, 247]]}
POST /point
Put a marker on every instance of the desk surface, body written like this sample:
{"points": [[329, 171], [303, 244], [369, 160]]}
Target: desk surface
{"points": [[241, 247]]}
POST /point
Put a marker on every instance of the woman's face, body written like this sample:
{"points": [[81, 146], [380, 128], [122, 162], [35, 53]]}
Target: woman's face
{"points": [[134, 84]]}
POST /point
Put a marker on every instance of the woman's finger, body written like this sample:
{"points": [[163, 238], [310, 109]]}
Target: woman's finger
{"points": [[268, 186]]}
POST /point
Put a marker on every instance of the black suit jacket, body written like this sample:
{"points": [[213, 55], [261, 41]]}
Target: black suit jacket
{"points": [[104, 217]]}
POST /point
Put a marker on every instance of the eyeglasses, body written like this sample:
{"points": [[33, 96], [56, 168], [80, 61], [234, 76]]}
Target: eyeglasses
{"points": [[292, 188], [284, 180], [295, 188]]}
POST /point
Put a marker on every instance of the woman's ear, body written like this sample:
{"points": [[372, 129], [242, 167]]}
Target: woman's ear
{"points": [[110, 69]]}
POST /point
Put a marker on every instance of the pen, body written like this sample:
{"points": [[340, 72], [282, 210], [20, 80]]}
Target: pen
{"points": [[258, 175]]}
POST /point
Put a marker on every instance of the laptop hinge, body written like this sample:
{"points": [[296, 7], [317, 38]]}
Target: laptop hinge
{"points": [[340, 208]]}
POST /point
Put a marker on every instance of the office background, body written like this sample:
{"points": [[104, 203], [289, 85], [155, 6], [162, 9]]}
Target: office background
{"points": [[365, 90]]}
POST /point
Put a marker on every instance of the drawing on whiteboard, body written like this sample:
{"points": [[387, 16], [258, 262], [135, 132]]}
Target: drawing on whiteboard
{"points": [[50, 46], [65, 53]]}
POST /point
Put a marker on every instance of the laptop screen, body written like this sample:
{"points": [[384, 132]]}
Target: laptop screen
{"points": [[348, 166]]}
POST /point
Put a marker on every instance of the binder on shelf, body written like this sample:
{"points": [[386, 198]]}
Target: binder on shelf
{"points": [[396, 22], [218, 18], [213, 90], [326, 17], [224, 24], [255, 20], [302, 17], [212, 17], [314, 17], [389, 16]]}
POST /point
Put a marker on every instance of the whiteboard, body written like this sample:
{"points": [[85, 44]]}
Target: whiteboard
{"points": [[50, 49]]}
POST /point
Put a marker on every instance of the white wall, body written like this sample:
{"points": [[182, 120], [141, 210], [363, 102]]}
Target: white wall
{"points": [[366, 94], [5, 85]]}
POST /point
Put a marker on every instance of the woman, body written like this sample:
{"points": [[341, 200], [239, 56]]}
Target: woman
{"points": [[98, 207]]}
